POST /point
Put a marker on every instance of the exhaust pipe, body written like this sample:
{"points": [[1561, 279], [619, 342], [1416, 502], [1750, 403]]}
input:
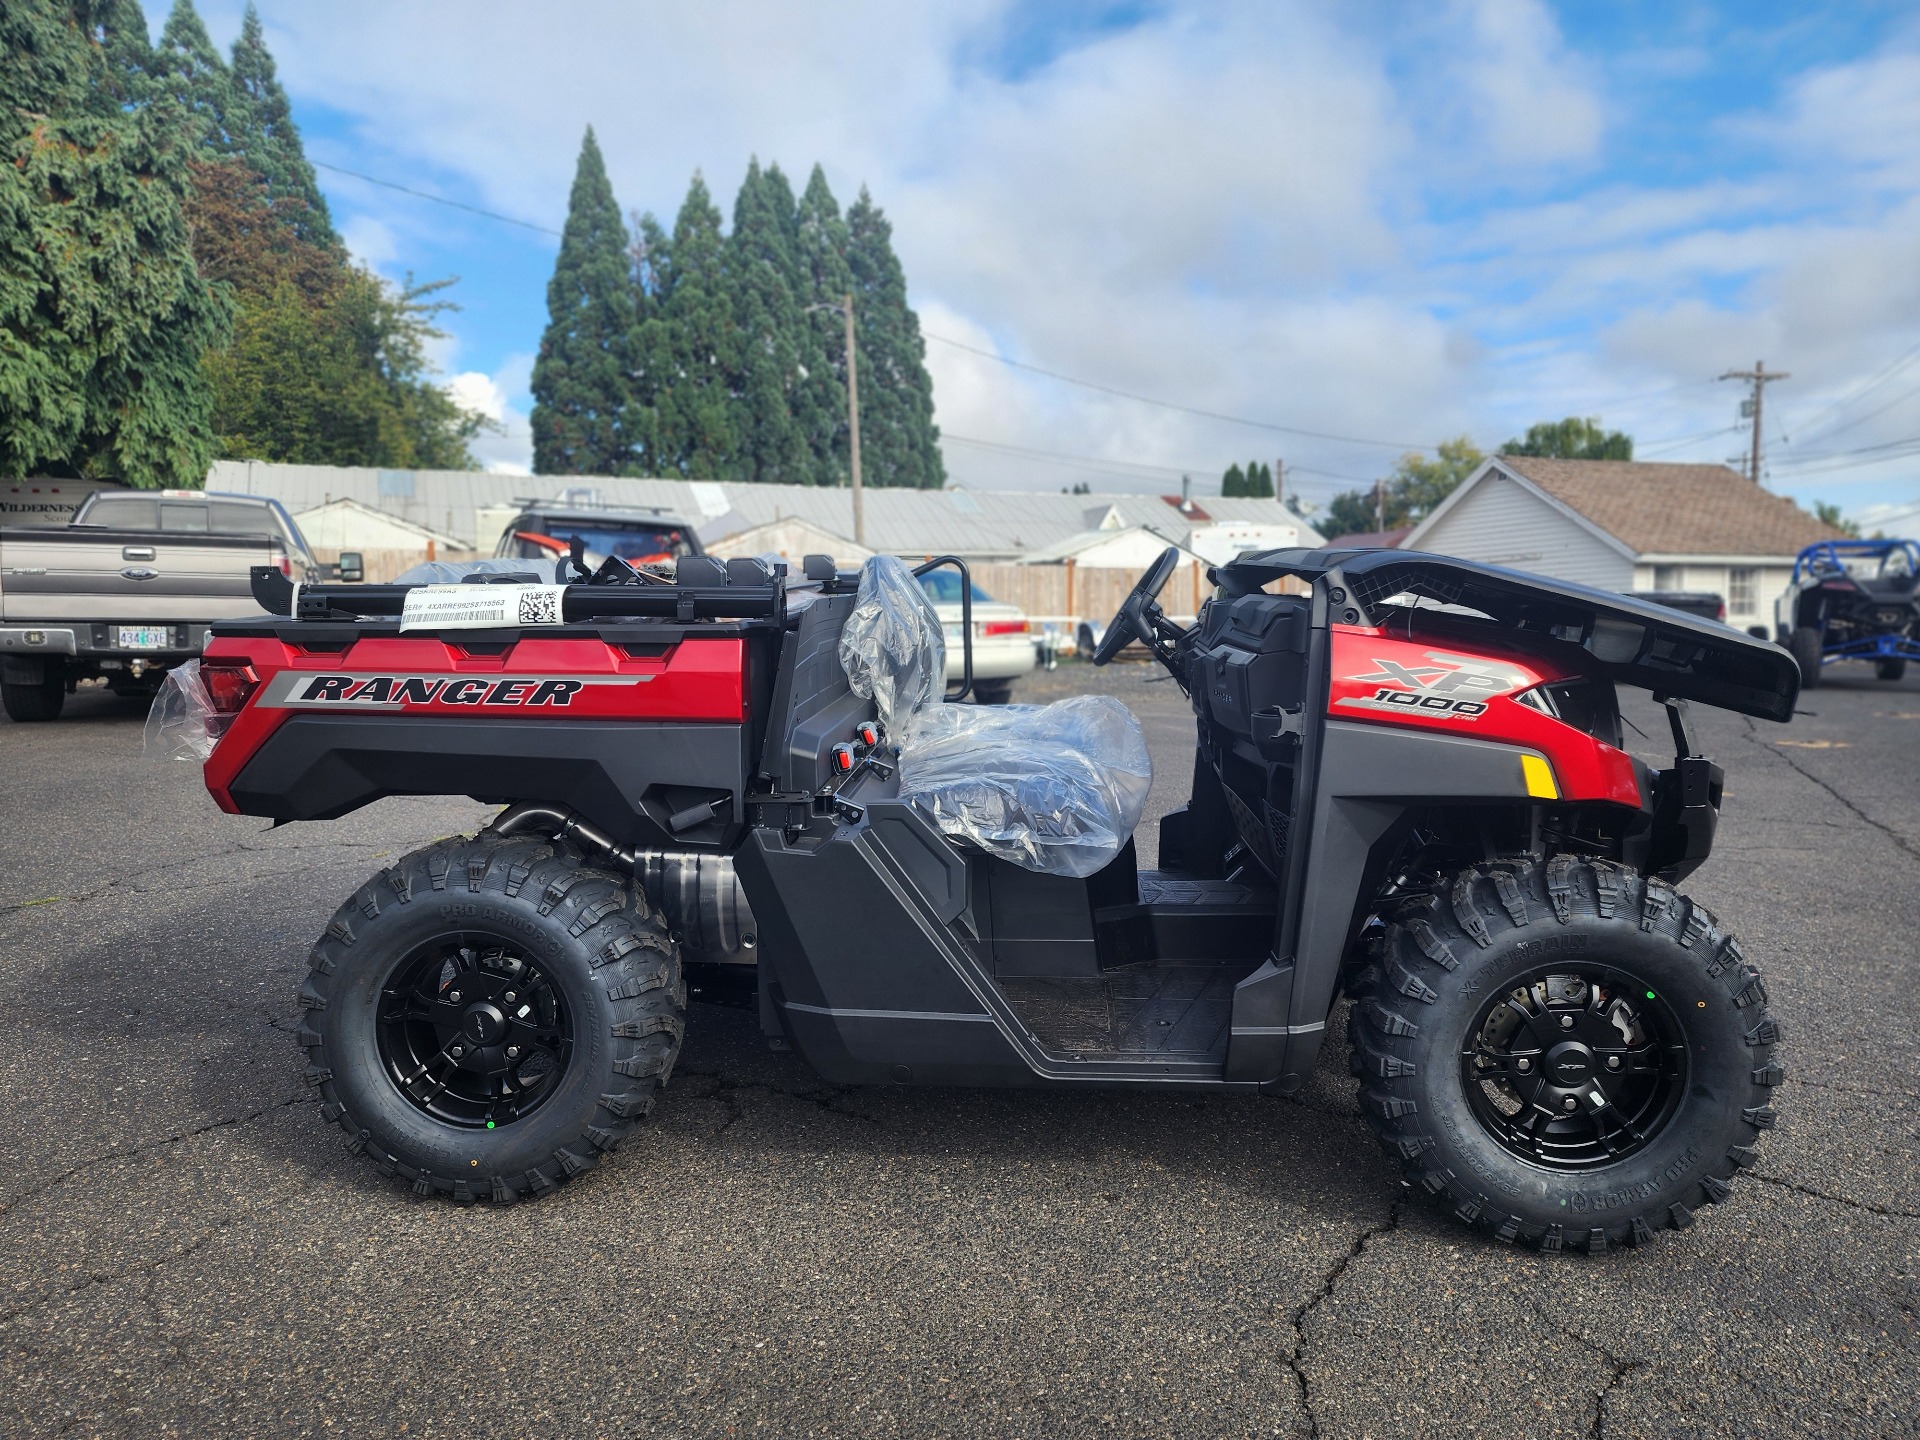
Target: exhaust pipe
{"points": [[699, 893]]}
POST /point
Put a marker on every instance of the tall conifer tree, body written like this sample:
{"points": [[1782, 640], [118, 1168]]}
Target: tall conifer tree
{"points": [[1233, 483], [581, 383], [187, 67], [761, 268], [821, 404], [694, 342], [899, 443], [261, 131]]}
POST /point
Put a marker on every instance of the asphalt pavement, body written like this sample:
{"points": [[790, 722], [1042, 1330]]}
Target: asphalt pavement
{"points": [[186, 1250]]}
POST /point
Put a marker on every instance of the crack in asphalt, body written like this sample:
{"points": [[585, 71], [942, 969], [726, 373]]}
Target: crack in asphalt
{"points": [[1620, 1365], [1867, 1205], [728, 1093], [1295, 1358], [1900, 840], [230, 1122], [108, 1277]]}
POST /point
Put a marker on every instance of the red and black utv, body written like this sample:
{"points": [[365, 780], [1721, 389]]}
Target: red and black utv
{"points": [[1409, 786]]}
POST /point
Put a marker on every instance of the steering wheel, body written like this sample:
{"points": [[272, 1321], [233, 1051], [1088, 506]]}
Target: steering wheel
{"points": [[1135, 619]]}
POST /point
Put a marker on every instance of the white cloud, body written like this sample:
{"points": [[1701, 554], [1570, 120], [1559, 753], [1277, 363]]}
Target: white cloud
{"points": [[1398, 223], [507, 447]]}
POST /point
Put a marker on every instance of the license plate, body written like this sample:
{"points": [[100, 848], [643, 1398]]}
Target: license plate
{"points": [[953, 633], [145, 637]]}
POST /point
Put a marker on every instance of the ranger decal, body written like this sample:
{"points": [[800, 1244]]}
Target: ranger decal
{"points": [[308, 690]]}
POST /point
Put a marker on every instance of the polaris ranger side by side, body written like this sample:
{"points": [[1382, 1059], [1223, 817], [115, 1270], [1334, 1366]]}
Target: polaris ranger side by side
{"points": [[1408, 786]]}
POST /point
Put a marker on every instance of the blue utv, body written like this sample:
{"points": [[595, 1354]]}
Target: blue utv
{"points": [[1852, 600]]}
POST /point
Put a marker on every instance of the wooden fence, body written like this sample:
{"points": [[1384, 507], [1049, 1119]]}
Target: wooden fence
{"points": [[1075, 592]]}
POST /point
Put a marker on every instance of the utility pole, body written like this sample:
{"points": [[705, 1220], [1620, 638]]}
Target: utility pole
{"points": [[1759, 378], [853, 428], [1280, 483], [1379, 505]]}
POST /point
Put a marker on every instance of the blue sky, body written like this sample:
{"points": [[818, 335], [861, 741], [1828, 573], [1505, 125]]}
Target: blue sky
{"points": [[1393, 223]]}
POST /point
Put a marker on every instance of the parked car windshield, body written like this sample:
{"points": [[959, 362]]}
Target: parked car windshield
{"points": [[539, 539], [943, 588]]}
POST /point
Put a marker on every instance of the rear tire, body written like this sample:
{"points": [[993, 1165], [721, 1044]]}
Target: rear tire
{"points": [[993, 692], [1804, 644], [1891, 669], [26, 704], [1687, 1099], [384, 1000]]}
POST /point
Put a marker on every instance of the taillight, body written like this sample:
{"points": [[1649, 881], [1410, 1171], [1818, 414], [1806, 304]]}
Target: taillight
{"points": [[229, 684], [286, 567], [1722, 614], [1004, 627]]}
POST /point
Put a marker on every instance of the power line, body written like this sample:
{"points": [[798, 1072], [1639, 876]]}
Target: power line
{"points": [[1134, 468], [436, 199], [1879, 378], [1174, 404]]}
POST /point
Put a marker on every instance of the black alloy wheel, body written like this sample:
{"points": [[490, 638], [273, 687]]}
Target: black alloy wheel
{"points": [[1561, 1052], [1574, 1070], [489, 1017], [472, 1032]]}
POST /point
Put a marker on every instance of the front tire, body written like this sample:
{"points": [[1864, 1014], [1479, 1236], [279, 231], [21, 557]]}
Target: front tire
{"points": [[1804, 644], [489, 1016], [1890, 669], [1563, 1054]]}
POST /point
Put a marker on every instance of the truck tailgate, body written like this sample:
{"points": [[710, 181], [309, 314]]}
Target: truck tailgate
{"points": [[88, 574]]}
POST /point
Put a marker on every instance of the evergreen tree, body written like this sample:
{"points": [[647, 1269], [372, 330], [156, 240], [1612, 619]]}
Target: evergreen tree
{"points": [[899, 443], [693, 341], [581, 377], [122, 28], [262, 132], [187, 67], [103, 316], [1259, 483], [761, 268], [821, 410], [1572, 439], [1233, 483]]}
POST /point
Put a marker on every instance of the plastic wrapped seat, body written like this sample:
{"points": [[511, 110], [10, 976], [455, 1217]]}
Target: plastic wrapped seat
{"points": [[1054, 788]]}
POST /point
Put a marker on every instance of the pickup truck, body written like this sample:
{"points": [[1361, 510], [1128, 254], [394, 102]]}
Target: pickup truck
{"points": [[127, 589]]}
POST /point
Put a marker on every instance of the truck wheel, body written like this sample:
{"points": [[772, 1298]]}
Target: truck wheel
{"points": [[993, 692], [1804, 644], [489, 1016], [41, 701], [1890, 669], [1563, 1054]]}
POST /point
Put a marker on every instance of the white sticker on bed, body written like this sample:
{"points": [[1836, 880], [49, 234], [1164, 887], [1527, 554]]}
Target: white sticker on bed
{"points": [[481, 607]]}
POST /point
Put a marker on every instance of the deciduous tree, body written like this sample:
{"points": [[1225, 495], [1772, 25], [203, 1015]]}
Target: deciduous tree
{"points": [[1573, 438]]}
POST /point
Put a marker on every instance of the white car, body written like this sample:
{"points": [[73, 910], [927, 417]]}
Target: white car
{"points": [[1003, 638]]}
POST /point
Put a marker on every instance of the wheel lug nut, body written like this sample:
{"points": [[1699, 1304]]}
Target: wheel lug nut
{"points": [[1613, 1062], [458, 1051], [454, 997], [510, 997], [1523, 1066], [1569, 1103], [1566, 1022], [513, 1052]]}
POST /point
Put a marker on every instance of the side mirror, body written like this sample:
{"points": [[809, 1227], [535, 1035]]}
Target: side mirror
{"points": [[350, 569]]}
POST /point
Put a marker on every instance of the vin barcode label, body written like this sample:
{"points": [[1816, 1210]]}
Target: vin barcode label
{"points": [[480, 607]]}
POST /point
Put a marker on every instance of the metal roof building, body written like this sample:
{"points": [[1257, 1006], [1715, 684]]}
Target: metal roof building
{"points": [[975, 524]]}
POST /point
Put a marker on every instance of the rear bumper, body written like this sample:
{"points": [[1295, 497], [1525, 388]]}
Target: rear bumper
{"points": [[101, 638], [38, 640], [995, 659]]}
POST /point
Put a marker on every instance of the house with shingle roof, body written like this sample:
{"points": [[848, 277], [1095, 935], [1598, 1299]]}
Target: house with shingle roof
{"points": [[1627, 525]]}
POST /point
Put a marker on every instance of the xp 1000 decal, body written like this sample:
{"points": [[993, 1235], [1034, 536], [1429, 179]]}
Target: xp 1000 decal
{"points": [[1431, 682]]}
